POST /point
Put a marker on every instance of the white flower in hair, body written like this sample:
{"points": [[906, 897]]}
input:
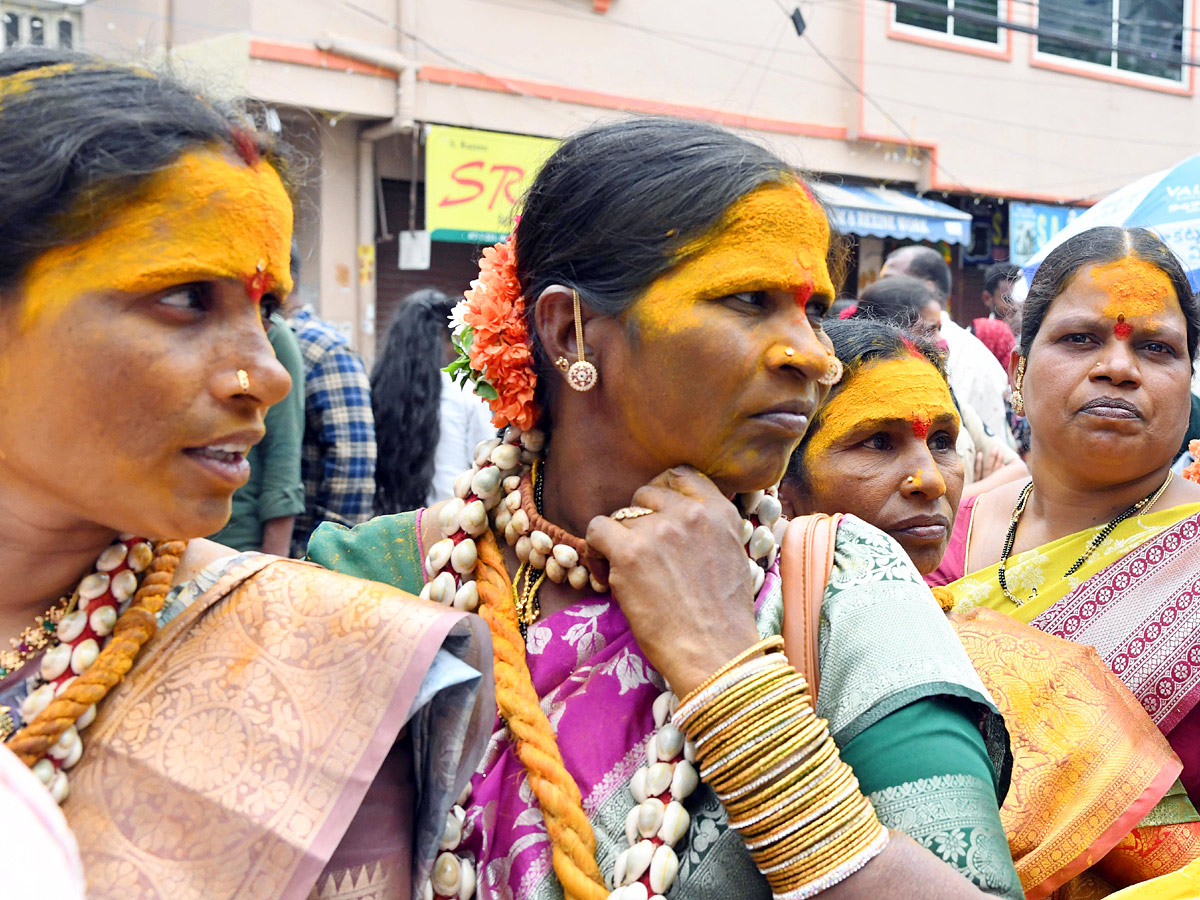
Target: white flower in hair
{"points": [[458, 317]]}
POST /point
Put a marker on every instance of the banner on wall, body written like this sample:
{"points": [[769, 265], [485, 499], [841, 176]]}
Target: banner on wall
{"points": [[473, 180], [1032, 225]]}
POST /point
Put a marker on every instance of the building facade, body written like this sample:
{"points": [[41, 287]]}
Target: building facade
{"points": [[1009, 112]]}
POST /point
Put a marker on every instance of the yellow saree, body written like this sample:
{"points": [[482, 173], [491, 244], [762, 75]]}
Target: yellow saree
{"points": [[1040, 569], [1133, 602]]}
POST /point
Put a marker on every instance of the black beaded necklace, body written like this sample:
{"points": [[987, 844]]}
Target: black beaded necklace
{"points": [[1099, 538]]}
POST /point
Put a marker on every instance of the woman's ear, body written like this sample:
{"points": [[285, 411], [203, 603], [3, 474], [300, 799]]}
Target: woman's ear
{"points": [[793, 497], [554, 318]]}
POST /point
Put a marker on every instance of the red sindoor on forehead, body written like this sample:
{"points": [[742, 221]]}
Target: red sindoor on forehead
{"points": [[257, 285], [1122, 329], [920, 427], [804, 293]]}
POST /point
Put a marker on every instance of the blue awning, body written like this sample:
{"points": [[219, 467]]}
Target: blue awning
{"points": [[883, 212]]}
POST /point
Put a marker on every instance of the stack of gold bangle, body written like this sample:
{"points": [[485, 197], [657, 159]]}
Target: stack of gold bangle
{"points": [[774, 766]]}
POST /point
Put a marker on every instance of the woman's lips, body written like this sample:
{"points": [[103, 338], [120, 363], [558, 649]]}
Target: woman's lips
{"points": [[921, 528], [227, 463], [1111, 408]]}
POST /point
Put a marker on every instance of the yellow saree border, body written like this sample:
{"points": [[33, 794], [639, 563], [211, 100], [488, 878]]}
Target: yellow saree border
{"points": [[1042, 567]]}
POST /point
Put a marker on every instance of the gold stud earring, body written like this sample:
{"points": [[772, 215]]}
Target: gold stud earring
{"points": [[243, 380], [833, 374], [581, 375], [562, 364], [1018, 402]]}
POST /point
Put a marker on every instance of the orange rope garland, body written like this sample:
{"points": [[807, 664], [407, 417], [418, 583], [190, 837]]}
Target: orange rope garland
{"points": [[136, 626], [533, 738]]}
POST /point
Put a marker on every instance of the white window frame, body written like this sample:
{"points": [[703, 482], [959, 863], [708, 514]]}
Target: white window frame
{"points": [[50, 19], [1002, 37], [1112, 70]]}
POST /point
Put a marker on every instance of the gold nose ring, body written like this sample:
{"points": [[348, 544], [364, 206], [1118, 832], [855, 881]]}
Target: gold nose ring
{"points": [[243, 379]]}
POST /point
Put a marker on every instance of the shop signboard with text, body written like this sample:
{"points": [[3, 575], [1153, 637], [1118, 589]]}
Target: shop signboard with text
{"points": [[1032, 225], [474, 179]]}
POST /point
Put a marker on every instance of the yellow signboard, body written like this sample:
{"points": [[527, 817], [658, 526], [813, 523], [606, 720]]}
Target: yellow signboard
{"points": [[474, 179]]}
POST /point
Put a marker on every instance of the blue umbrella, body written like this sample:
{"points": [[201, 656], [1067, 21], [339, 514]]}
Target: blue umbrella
{"points": [[1167, 202]]}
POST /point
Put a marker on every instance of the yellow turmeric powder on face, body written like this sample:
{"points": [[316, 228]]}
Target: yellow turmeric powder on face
{"points": [[1137, 288], [209, 216], [906, 389], [774, 238]]}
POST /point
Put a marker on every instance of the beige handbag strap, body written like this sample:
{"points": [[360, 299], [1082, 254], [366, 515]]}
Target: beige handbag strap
{"points": [[806, 559]]}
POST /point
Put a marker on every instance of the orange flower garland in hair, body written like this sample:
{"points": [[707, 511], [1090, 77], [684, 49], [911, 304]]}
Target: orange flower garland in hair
{"points": [[492, 339]]}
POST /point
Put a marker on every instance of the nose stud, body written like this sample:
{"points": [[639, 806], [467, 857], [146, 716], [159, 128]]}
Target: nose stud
{"points": [[243, 379], [789, 352]]}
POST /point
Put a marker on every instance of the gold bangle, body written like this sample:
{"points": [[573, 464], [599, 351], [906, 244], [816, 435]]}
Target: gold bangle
{"points": [[809, 772], [719, 781], [838, 815], [745, 793], [766, 645], [773, 735], [827, 856], [732, 696], [774, 693], [807, 859], [797, 810]]}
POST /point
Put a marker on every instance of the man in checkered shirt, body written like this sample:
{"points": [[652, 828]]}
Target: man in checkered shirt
{"points": [[337, 461]]}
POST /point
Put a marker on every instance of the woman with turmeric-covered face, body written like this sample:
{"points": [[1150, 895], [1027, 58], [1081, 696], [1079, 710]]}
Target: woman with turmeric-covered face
{"points": [[650, 341], [1100, 546], [214, 725]]}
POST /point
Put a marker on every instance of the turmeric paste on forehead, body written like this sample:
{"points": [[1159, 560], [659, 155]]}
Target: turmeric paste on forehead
{"points": [[1136, 288], [774, 238], [206, 217], [906, 389]]}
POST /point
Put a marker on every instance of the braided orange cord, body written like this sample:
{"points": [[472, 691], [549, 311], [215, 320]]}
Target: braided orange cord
{"points": [[571, 838], [136, 626]]}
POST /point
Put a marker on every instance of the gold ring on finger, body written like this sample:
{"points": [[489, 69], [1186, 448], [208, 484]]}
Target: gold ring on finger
{"points": [[631, 512]]}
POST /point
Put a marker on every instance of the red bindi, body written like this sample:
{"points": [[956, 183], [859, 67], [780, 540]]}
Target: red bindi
{"points": [[1122, 329], [247, 148], [920, 427], [257, 285], [803, 293]]}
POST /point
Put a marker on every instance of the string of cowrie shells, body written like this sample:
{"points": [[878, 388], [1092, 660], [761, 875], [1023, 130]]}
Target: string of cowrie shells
{"points": [[82, 632], [490, 492]]}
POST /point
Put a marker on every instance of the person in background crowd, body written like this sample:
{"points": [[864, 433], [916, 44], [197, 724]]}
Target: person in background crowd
{"points": [[995, 329], [337, 458], [987, 460], [426, 425], [975, 375], [266, 506], [905, 301], [998, 281]]}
